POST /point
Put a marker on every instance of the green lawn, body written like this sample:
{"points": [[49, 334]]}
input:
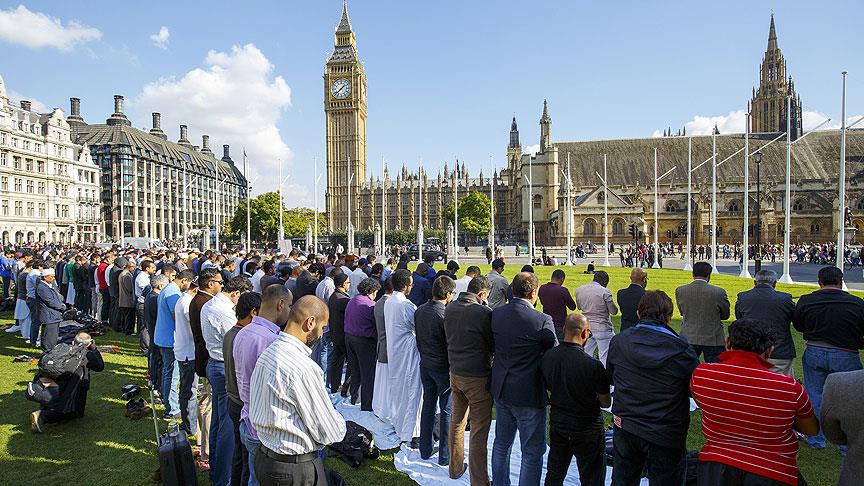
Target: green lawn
{"points": [[106, 448]]}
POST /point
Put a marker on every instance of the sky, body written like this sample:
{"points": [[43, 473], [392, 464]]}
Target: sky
{"points": [[444, 78]]}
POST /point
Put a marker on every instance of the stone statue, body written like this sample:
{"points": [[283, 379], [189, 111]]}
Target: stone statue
{"points": [[847, 217]]}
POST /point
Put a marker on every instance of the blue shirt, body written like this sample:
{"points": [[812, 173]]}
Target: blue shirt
{"points": [[163, 336], [32, 278]]}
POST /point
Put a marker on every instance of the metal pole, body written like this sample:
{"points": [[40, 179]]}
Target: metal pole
{"points": [[248, 204], [687, 265], [714, 203], [281, 232], [122, 207], [531, 208], [492, 213], [745, 241], [420, 213], [656, 264], [185, 212], [787, 276], [383, 211], [315, 241], [758, 215], [841, 217], [348, 231], [456, 216], [569, 207], [606, 209]]}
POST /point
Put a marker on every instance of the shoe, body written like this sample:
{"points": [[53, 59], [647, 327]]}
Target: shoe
{"points": [[171, 416], [36, 421], [14, 328], [464, 469], [434, 451]]}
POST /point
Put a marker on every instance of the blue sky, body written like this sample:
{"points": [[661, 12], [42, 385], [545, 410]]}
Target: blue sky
{"points": [[444, 77]]}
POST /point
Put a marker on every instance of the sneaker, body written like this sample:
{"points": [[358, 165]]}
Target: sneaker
{"points": [[14, 328], [36, 421]]}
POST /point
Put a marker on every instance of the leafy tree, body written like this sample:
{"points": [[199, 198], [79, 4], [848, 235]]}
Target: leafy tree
{"points": [[297, 219], [264, 218], [475, 212]]}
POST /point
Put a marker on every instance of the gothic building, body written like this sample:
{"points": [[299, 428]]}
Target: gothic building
{"points": [[776, 92]]}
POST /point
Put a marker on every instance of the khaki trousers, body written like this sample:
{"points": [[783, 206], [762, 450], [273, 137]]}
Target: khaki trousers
{"points": [[205, 408], [470, 400]]}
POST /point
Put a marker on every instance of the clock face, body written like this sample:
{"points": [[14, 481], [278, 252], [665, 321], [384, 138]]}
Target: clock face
{"points": [[340, 89]]}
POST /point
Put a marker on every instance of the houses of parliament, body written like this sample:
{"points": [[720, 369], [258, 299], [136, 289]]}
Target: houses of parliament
{"points": [[814, 162]]}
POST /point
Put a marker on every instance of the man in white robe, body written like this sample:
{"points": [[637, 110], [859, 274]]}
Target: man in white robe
{"points": [[403, 358]]}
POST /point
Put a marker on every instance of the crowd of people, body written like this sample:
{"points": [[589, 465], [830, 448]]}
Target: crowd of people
{"points": [[248, 351]]}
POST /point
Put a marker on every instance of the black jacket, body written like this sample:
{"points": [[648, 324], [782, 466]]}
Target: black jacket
{"points": [[628, 301], [774, 311], [431, 337], [337, 304], [306, 284], [468, 327], [832, 317], [651, 372]]}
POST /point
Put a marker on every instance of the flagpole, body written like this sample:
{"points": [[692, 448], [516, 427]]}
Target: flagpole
{"points": [[383, 210], [687, 265], [745, 243], [605, 211], [714, 203], [248, 203]]}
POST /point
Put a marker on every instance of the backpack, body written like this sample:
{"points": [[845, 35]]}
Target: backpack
{"points": [[64, 359], [357, 444]]}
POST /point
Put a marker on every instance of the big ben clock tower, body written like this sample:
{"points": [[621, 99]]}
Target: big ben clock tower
{"points": [[345, 110]]}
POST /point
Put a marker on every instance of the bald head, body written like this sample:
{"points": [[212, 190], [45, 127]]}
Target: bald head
{"points": [[638, 276], [307, 319], [576, 329]]}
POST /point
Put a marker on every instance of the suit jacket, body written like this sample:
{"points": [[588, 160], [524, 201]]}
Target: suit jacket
{"points": [[840, 416], [774, 311], [306, 285], [51, 305], [703, 307], [628, 301], [498, 293], [468, 327], [521, 334], [201, 354], [337, 304], [126, 290]]}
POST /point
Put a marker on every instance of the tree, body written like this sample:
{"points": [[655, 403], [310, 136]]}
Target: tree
{"points": [[264, 218], [297, 219], [475, 212]]}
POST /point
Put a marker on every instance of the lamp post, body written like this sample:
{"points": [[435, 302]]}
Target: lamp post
{"points": [[656, 263], [606, 205], [420, 213], [383, 210], [456, 216], [687, 266], [757, 260], [745, 243], [492, 211], [317, 179], [841, 196], [123, 188]]}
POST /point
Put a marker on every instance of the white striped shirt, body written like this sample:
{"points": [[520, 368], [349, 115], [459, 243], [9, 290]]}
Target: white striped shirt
{"points": [[289, 407]]}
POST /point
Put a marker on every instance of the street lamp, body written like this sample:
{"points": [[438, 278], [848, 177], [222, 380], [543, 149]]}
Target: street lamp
{"points": [[757, 256], [656, 212]]}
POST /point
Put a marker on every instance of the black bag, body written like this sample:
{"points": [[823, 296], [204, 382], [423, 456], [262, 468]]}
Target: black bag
{"points": [[357, 444], [176, 464], [65, 359]]}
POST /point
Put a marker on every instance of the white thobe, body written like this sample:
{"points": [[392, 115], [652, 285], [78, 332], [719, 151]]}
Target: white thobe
{"points": [[403, 363]]}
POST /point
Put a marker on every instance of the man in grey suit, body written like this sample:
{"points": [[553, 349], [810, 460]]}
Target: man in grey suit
{"points": [[841, 420], [772, 310], [498, 294], [51, 308], [703, 307]]}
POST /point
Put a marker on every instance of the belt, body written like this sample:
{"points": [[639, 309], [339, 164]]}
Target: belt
{"points": [[290, 458]]}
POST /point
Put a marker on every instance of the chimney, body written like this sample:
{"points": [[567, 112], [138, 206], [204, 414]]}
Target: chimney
{"points": [[205, 145], [156, 131], [195, 148], [25, 105], [74, 118], [76, 106], [118, 118], [184, 134], [226, 155]]}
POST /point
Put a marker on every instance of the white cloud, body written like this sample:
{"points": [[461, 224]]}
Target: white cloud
{"points": [[161, 38], [234, 98], [531, 149], [734, 123], [299, 196], [36, 30], [35, 105]]}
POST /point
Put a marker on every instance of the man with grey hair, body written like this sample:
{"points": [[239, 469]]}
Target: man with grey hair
{"points": [[772, 310]]}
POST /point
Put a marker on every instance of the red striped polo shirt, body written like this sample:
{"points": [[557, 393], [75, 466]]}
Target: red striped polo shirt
{"points": [[748, 413]]}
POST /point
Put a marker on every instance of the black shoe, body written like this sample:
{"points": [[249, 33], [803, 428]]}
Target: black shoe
{"points": [[171, 416], [434, 451], [415, 443]]}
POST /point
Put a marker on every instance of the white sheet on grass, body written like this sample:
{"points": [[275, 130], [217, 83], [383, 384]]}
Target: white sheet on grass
{"points": [[429, 473], [382, 431]]}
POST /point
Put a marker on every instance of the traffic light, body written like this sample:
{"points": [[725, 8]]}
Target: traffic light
{"points": [[633, 231]]}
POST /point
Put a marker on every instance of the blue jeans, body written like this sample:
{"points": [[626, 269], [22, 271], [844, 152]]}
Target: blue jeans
{"points": [[711, 353], [169, 380], [188, 401], [436, 391], [221, 429], [321, 351], [252, 444], [531, 424], [818, 363]]}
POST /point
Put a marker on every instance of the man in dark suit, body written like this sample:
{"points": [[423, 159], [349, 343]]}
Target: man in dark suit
{"points": [[336, 305], [628, 299], [308, 280], [521, 334], [773, 310], [703, 308]]}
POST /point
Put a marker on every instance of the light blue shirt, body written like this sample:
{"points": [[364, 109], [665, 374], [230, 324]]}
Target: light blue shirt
{"points": [[163, 336]]}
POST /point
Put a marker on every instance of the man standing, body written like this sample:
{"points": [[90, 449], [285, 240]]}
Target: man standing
{"points": [[217, 317], [578, 387], [51, 308], [184, 354], [841, 420], [556, 299], [498, 293], [361, 341], [250, 342], [163, 335], [142, 288], [101, 279], [596, 303], [468, 327], [403, 359], [127, 302], [650, 367], [421, 288], [521, 335], [462, 283], [764, 306], [289, 407], [113, 277], [381, 403], [703, 308], [832, 322], [749, 413], [337, 359], [628, 299], [434, 368]]}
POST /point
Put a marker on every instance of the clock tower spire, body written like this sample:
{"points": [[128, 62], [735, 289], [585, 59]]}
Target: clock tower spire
{"points": [[345, 113]]}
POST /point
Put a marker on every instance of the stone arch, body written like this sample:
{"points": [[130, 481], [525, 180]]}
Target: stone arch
{"points": [[618, 227], [671, 206], [734, 206], [589, 227], [41, 237], [6, 238], [799, 205], [30, 237]]}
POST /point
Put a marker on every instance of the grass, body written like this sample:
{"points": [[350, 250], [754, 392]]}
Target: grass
{"points": [[105, 448]]}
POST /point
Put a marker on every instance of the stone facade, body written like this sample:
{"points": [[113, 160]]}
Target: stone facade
{"points": [[49, 184]]}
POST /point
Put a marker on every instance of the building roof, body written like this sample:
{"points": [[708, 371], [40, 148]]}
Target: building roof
{"points": [[631, 161], [174, 154]]}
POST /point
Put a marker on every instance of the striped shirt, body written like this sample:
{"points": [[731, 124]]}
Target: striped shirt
{"points": [[288, 405], [748, 413]]}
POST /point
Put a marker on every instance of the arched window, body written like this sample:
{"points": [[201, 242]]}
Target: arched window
{"points": [[600, 196], [860, 205], [617, 227], [815, 229], [734, 207], [589, 227], [798, 205], [671, 206], [538, 201]]}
